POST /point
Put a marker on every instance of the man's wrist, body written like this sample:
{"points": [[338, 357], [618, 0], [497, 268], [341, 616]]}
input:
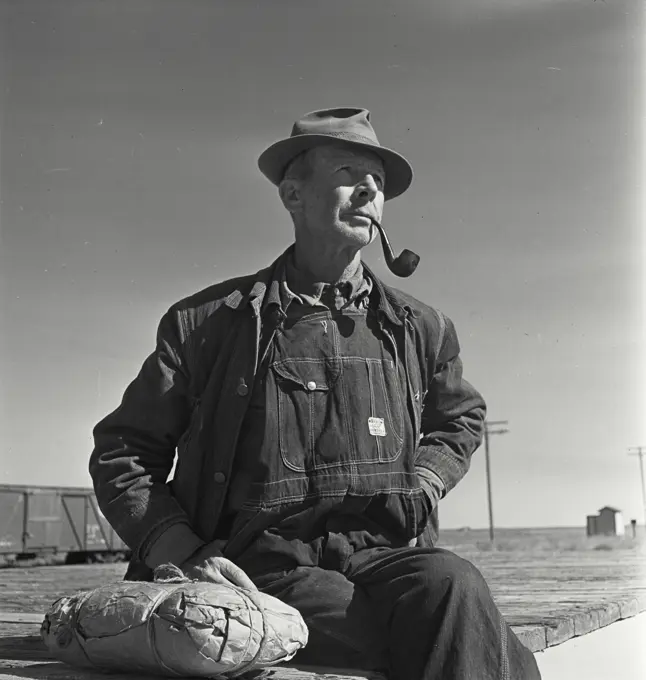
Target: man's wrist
{"points": [[176, 545], [431, 484]]}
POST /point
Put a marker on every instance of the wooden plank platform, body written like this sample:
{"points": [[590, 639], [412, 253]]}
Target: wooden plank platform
{"points": [[547, 599]]}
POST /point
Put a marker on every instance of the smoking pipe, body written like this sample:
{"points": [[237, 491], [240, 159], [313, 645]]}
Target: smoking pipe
{"points": [[405, 263]]}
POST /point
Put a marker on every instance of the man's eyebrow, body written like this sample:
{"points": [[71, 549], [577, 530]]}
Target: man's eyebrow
{"points": [[360, 163], [372, 166]]}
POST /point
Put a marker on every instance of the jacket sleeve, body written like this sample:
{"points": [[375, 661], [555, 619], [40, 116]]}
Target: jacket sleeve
{"points": [[134, 450], [452, 422]]}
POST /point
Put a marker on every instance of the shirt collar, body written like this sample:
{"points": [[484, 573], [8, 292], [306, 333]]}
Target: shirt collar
{"points": [[294, 287], [266, 291]]}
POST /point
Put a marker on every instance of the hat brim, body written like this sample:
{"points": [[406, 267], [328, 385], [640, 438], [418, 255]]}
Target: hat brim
{"points": [[274, 161]]}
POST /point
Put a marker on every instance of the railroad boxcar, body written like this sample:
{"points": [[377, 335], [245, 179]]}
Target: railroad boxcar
{"points": [[41, 520]]}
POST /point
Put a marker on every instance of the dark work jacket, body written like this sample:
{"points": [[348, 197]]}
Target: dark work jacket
{"points": [[192, 393]]}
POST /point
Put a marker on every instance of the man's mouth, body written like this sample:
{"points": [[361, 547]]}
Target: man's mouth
{"points": [[364, 216]]}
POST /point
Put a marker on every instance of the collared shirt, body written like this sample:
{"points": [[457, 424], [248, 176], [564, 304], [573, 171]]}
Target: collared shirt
{"points": [[295, 287]]}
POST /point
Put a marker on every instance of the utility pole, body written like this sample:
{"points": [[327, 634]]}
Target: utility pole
{"points": [[487, 433], [641, 452]]}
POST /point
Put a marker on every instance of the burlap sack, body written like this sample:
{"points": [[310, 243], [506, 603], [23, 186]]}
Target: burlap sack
{"points": [[173, 626]]}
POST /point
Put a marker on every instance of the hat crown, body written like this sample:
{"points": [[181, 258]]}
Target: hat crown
{"points": [[345, 123], [351, 125]]}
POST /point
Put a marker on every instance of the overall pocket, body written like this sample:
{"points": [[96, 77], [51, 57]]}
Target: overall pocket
{"points": [[336, 412], [312, 428]]}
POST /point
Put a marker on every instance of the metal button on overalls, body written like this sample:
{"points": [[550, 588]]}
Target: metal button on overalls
{"points": [[219, 478]]}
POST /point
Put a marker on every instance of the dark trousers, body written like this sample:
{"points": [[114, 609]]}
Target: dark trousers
{"points": [[414, 613]]}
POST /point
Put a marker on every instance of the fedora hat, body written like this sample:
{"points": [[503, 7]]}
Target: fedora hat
{"points": [[347, 125]]}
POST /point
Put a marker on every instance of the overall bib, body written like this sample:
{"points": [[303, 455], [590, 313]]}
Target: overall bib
{"points": [[335, 472]]}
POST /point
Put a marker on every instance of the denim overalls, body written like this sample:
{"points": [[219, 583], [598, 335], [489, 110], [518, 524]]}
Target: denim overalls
{"points": [[335, 472]]}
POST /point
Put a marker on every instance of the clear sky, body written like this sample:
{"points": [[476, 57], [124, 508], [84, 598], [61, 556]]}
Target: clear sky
{"points": [[130, 133]]}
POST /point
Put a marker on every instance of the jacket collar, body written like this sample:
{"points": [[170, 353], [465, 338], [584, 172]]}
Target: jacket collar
{"points": [[265, 291], [263, 281], [387, 304]]}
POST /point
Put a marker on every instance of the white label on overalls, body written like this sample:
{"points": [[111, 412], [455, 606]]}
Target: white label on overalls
{"points": [[377, 427]]}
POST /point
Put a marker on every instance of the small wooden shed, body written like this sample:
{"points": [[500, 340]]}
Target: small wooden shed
{"points": [[608, 522]]}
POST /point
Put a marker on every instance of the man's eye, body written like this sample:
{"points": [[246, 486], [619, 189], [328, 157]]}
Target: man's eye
{"points": [[379, 181]]}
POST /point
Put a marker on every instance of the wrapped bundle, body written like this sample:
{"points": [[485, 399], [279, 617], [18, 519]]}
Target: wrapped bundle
{"points": [[173, 626]]}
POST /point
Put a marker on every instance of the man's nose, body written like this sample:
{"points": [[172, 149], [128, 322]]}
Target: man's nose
{"points": [[367, 189]]}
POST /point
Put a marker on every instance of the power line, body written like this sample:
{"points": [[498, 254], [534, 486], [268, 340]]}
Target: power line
{"points": [[641, 452], [487, 433]]}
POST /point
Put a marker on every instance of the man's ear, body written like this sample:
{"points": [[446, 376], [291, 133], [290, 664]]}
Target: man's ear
{"points": [[289, 191]]}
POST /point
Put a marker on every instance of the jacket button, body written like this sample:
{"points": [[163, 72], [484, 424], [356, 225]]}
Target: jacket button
{"points": [[219, 478], [311, 385], [242, 388]]}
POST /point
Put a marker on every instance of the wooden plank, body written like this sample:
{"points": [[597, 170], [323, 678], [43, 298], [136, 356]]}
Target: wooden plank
{"points": [[557, 628], [558, 631], [533, 637], [296, 672], [23, 641], [608, 613], [23, 650], [27, 648], [15, 670], [585, 622], [546, 598], [20, 617], [629, 608], [12, 670]]}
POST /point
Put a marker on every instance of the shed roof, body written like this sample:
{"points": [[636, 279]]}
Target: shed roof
{"points": [[608, 507]]}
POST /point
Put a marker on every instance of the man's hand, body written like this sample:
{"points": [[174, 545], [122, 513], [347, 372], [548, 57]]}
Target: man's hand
{"points": [[207, 564]]}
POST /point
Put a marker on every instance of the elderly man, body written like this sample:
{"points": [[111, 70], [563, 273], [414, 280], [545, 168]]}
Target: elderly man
{"points": [[318, 416]]}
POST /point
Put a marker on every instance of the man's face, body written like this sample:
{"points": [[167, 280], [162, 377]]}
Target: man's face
{"points": [[344, 186]]}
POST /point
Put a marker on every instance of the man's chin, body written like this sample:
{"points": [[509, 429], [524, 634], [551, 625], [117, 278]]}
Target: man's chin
{"points": [[359, 237], [359, 232]]}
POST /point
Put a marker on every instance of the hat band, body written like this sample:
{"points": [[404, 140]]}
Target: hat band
{"points": [[349, 136]]}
